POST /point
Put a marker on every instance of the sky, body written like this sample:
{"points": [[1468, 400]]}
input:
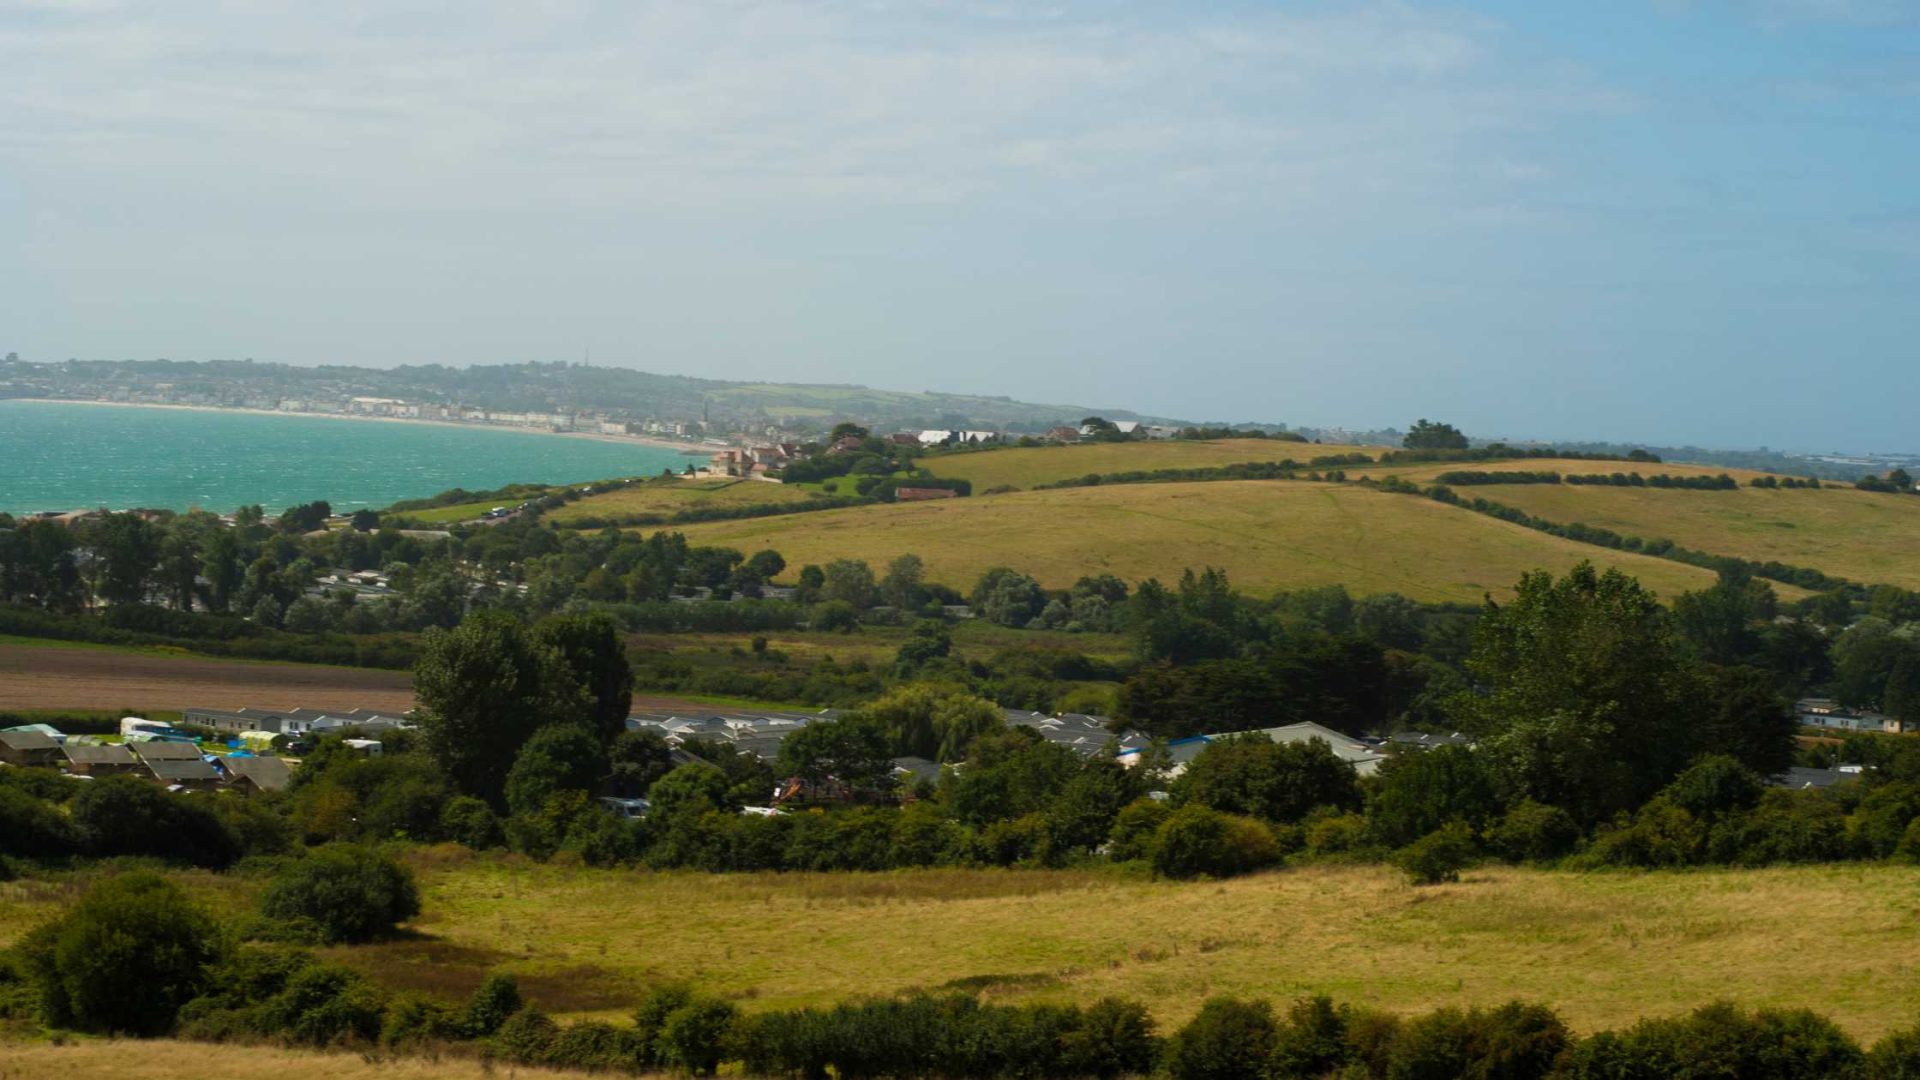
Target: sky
{"points": [[1646, 220]]}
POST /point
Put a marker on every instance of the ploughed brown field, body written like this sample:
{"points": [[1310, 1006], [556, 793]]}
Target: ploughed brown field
{"points": [[77, 677]]}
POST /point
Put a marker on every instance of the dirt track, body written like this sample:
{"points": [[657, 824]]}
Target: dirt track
{"points": [[53, 677]]}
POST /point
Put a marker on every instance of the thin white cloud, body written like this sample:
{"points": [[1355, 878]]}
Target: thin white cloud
{"points": [[495, 103]]}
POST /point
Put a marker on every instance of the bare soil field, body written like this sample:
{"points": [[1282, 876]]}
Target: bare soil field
{"points": [[78, 677]]}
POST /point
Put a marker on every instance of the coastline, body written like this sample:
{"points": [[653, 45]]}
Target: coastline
{"points": [[687, 449]]}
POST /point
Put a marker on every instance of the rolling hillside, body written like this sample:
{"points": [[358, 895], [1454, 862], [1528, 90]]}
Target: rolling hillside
{"points": [[1266, 534], [658, 496], [1023, 467], [1863, 536]]}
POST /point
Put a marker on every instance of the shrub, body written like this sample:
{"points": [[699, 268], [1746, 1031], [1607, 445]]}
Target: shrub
{"points": [[1227, 1040], [325, 1005], [1439, 856], [1895, 1057], [123, 816], [1511, 1042], [416, 1018], [1336, 834], [592, 1046], [525, 1038], [1718, 1040], [497, 999], [1133, 827], [342, 892], [1534, 832], [124, 959], [470, 821], [33, 828], [1312, 1043], [697, 1036], [1195, 840], [1114, 1038]]}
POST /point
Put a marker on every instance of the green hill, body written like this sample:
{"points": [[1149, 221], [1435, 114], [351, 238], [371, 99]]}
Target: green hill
{"points": [[1266, 534], [1027, 466]]}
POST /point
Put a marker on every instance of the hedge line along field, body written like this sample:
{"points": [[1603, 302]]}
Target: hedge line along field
{"points": [[1863, 536], [1425, 472], [1267, 534], [661, 496], [1024, 466]]}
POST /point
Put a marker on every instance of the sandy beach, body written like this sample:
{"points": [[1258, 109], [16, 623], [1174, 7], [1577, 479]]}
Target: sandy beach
{"points": [[691, 449]]}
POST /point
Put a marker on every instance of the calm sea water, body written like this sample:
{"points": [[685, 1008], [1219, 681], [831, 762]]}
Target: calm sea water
{"points": [[67, 457]]}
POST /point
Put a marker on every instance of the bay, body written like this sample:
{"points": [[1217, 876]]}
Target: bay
{"points": [[56, 456]]}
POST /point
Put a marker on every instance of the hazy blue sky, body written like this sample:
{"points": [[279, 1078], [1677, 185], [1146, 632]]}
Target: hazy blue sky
{"points": [[1665, 221]]}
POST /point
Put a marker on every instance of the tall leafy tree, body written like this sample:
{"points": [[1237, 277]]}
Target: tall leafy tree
{"points": [[1587, 691], [484, 688], [594, 653]]}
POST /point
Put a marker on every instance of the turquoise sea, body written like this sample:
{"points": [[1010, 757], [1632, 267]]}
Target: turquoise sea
{"points": [[69, 457]]}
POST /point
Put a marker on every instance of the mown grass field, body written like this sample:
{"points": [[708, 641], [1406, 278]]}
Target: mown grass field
{"points": [[1266, 534], [659, 496], [1604, 949], [1864, 536], [1023, 467]]}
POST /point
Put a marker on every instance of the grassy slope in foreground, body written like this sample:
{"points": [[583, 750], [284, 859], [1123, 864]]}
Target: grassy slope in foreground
{"points": [[167, 1059], [669, 496], [1863, 536], [1265, 534], [1603, 948], [1023, 467]]}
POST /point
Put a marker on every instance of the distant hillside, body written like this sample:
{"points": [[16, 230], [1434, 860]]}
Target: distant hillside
{"points": [[1266, 534], [544, 387]]}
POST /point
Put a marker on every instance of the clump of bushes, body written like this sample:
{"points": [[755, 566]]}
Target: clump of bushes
{"points": [[125, 959], [341, 892]]}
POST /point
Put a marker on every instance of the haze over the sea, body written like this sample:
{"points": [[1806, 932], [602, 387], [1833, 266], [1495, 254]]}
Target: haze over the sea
{"points": [[67, 457]]}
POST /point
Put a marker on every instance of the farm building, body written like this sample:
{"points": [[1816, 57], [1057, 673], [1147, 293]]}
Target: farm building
{"points": [[252, 773], [99, 759], [29, 748]]}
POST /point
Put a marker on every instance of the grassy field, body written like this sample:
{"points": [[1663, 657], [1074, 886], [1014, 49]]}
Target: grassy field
{"points": [[1860, 535], [659, 496], [1603, 949], [974, 639], [1425, 472], [1266, 534], [1023, 467]]}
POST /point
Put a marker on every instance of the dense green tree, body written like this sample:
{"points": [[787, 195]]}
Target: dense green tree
{"points": [[1432, 435], [342, 893], [125, 958], [594, 652], [484, 688], [636, 760], [558, 757], [933, 722], [902, 585], [1254, 776], [851, 750], [1585, 676], [1006, 597], [1419, 792], [849, 581]]}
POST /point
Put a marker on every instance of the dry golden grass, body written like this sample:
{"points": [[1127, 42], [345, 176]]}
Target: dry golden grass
{"points": [[1860, 535], [165, 1059], [1604, 949], [659, 496], [1424, 472], [1023, 467], [1266, 534]]}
